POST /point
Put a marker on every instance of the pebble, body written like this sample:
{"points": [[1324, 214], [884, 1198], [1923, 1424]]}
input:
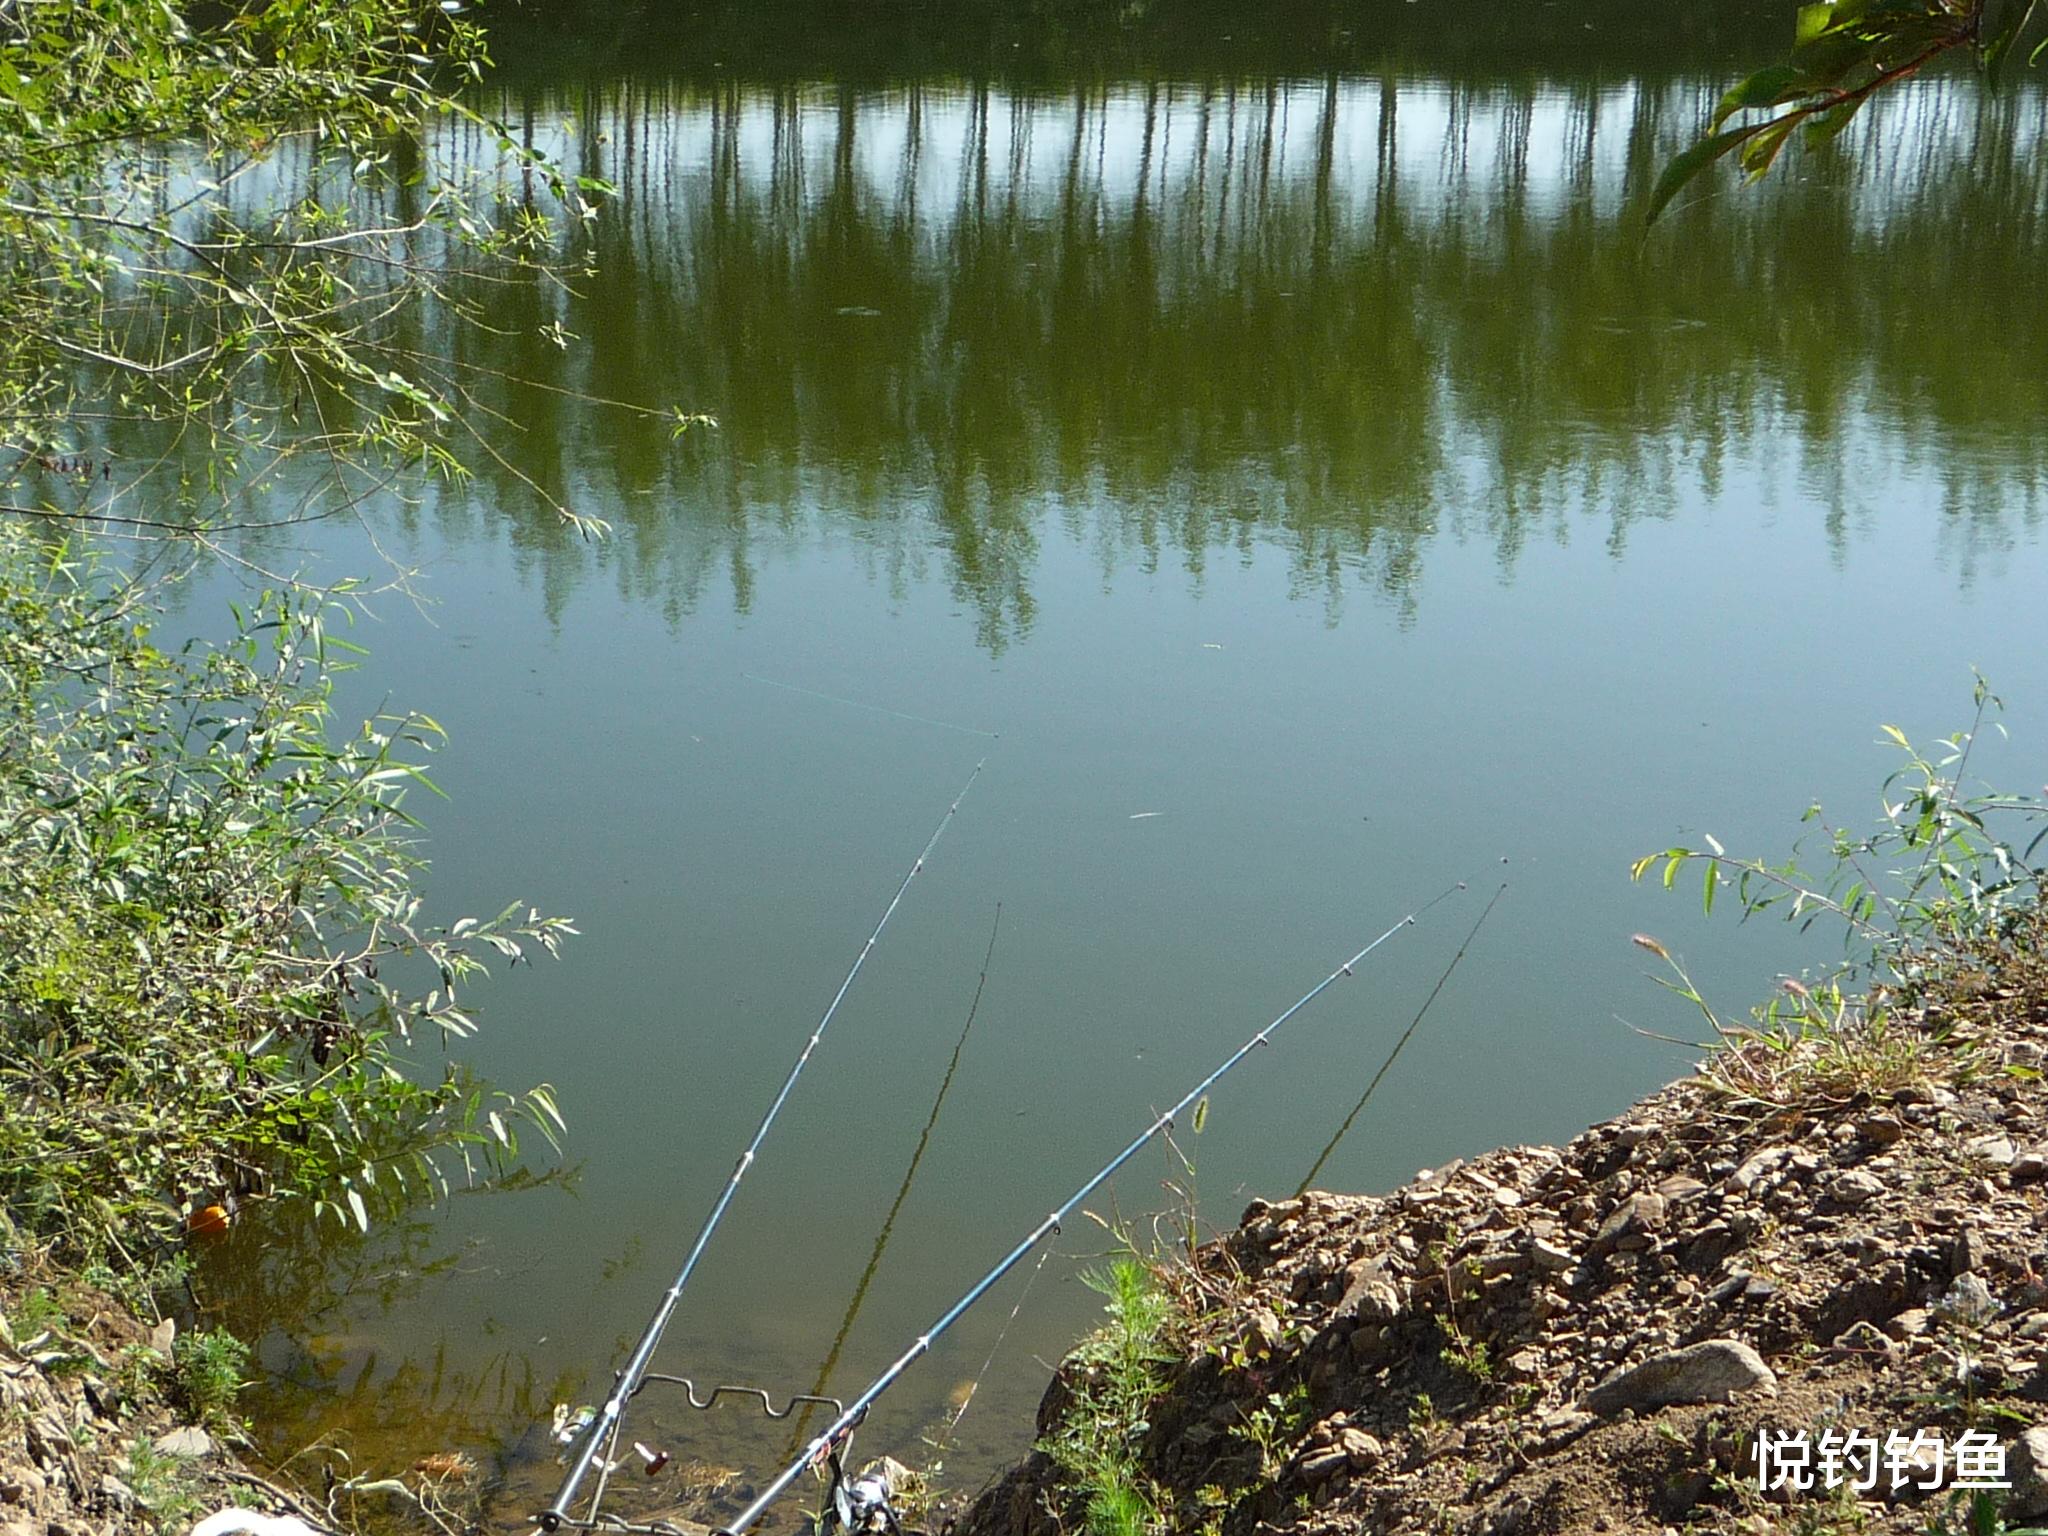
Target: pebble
{"points": [[1549, 1256], [1970, 1301], [2027, 1466], [1855, 1188], [1993, 1149]]}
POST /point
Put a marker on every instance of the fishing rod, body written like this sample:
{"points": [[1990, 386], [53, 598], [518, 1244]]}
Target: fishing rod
{"points": [[1400, 1045], [605, 1424], [825, 1447], [924, 1141]]}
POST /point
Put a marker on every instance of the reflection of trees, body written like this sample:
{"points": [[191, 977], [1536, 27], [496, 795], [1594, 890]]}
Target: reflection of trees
{"points": [[1341, 316]]}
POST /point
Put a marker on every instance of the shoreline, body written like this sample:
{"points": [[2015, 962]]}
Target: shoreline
{"points": [[1591, 1338]]}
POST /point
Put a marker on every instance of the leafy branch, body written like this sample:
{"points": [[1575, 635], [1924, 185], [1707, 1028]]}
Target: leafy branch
{"points": [[1843, 53]]}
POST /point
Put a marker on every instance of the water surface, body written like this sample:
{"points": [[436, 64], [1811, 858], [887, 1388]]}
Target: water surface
{"points": [[1287, 447]]}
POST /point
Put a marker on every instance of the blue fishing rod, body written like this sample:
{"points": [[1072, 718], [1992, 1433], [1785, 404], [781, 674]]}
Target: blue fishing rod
{"points": [[867, 1495], [603, 1428]]}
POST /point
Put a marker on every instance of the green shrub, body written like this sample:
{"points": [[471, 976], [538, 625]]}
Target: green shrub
{"points": [[206, 1368], [207, 901], [1096, 1448]]}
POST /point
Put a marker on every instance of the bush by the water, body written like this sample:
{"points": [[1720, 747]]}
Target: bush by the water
{"points": [[213, 961]]}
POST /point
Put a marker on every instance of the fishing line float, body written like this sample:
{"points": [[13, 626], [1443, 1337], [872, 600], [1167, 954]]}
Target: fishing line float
{"points": [[824, 1448], [605, 1425]]}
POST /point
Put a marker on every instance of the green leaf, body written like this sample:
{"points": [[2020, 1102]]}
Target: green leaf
{"points": [[1689, 164], [1992, 54], [1766, 88], [1758, 154], [1707, 889], [1823, 126]]}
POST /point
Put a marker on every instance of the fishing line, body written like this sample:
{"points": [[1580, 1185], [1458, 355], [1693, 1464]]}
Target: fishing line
{"points": [[604, 1427], [953, 1423], [825, 1446], [879, 709], [867, 1275], [1344, 1129]]}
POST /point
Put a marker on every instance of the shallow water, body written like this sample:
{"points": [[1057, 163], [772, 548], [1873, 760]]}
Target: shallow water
{"points": [[1286, 448]]}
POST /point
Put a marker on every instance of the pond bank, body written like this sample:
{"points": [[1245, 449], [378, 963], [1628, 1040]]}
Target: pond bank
{"points": [[1591, 1338]]}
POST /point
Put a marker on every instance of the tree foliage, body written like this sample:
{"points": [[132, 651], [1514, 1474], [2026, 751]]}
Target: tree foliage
{"points": [[1843, 53], [215, 974], [215, 962], [132, 294]]}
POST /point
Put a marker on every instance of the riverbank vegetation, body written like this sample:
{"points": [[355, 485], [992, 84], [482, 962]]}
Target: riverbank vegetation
{"points": [[220, 993], [213, 928], [218, 985]]}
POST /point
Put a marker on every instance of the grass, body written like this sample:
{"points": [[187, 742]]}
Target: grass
{"points": [[1098, 1447], [206, 1370], [1274, 1426], [161, 1486], [1943, 893]]}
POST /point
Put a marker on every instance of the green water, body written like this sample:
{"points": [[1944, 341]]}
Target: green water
{"points": [[1284, 444]]}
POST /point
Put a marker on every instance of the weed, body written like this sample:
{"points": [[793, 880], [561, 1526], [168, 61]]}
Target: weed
{"points": [[37, 1312], [1274, 1426], [160, 1485], [206, 1369], [1096, 1448], [1423, 1419], [1982, 1514], [1920, 900], [1461, 1352]]}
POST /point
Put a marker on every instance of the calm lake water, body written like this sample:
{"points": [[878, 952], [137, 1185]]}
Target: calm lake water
{"points": [[1287, 447]]}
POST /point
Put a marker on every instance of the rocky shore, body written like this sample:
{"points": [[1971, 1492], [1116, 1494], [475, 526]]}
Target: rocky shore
{"points": [[90, 1444], [1598, 1337], [101, 1434]]}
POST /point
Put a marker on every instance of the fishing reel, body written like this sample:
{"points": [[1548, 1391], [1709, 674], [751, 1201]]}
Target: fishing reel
{"points": [[864, 1505]]}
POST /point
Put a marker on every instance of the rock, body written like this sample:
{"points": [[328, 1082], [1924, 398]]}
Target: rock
{"points": [[1369, 1296], [1634, 1217], [1711, 1372], [1855, 1188], [2027, 1466], [1759, 1165], [189, 1443], [115, 1494], [1323, 1465], [1880, 1130], [163, 1335], [2033, 1327], [1992, 1149], [1909, 1324], [2030, 1165], [1863, 1338], [1362, 1450], [1563, 1421], [1969, 1301], [1549, 1256]]}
